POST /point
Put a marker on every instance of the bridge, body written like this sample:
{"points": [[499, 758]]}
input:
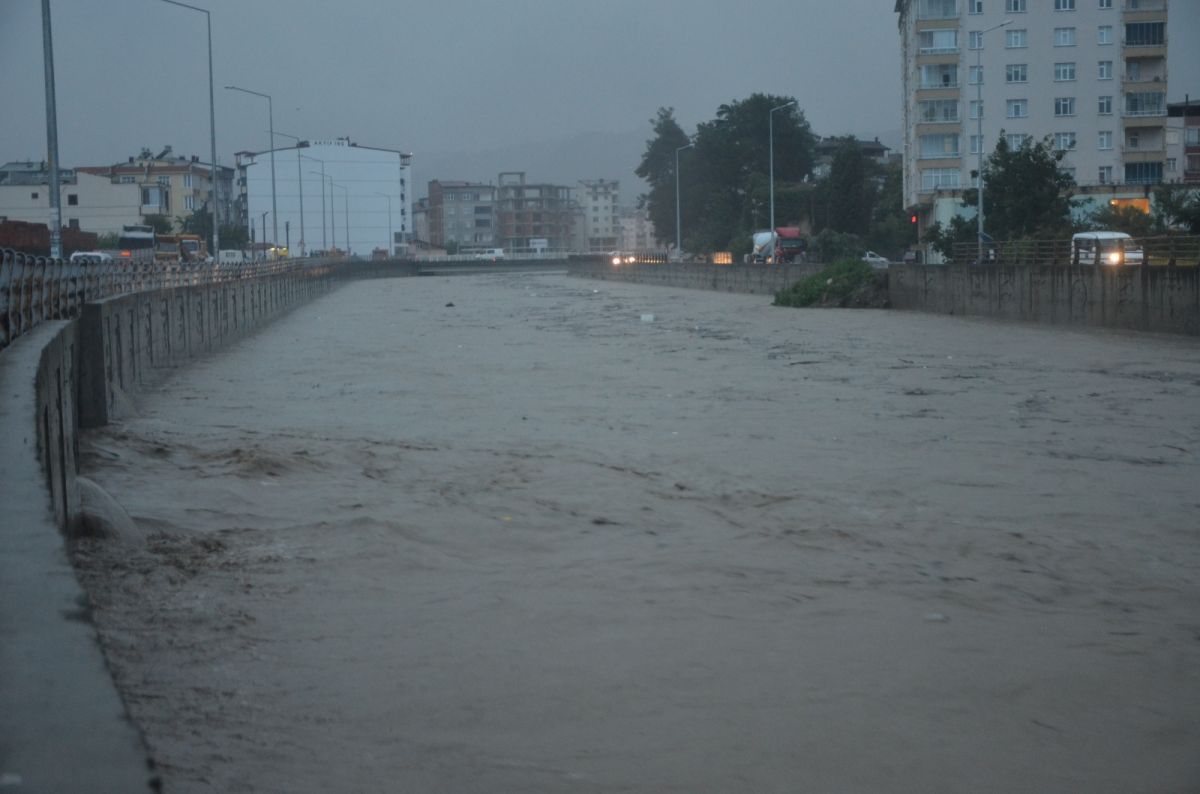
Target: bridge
{"points": [[534, 532]]}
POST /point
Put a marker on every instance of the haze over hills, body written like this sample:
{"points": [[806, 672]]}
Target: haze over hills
{"points": [[561, 161]]}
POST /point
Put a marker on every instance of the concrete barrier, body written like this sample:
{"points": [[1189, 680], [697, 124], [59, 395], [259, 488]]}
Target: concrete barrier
{"points": [[755, 279], [1163, 299]]}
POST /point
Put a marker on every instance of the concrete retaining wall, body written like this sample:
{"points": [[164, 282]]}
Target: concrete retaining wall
{"points": [[62, 723], [1165, 299]]}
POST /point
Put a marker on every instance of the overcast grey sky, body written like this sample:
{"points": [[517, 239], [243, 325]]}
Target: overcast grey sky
{"points": [[451, 75]]}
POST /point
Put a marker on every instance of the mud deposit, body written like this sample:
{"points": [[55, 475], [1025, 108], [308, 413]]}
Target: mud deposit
{"points": [[533, 543]]}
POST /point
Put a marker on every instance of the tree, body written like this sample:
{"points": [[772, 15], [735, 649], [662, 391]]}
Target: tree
{"points": [[234, 236], [1178, 206], [658, 170], [850, 193], [892, 229], [1130, 220], [1027, 193], [160, 223]]}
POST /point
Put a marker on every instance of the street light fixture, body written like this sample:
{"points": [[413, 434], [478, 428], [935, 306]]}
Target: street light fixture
{"points": [[299, 145], [391, 240], [212, 132], [979, 131], [271, 123], [771, 156], [324, 239], [678, 224]]}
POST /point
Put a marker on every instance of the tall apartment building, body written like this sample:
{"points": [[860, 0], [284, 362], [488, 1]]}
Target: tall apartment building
{"points": [[462, 213], [172, 185], [527, 211], [1091, 74], [597, 200]]}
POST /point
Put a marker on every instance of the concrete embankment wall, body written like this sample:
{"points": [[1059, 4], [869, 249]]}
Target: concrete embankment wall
{"points": [[62, 724], [1150, 298], [1163, 299]]}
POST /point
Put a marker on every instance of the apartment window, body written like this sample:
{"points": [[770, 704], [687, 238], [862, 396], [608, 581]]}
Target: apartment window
{"points": [[1064, 5], [1143, 173], [1105, 70], [935, 42], [1016, 39], [165, 181], [33, 196], [1016, 73], [1064, 37], [976, 144], [1191, 136], [1064, 106], [975, 109], [1145, 34], [189, 202], [72, 199], [976, 75], [187, 180], [127, 180], [1146, 103], [939, 178], [937, 110], [1016, 108], [1104, 139], [1016, 140], [1105, 106], [937, 9], [1105, 174], [1104, 34], [1014, 6], [1064, 141], [1106, 4], [935, 146], [942, 75], [975, 6], [975, 40], [1171, 164], [1064, 72]]}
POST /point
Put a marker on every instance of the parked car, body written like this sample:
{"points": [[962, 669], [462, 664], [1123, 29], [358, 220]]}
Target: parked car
{"points": [[1105, 248], [91, 257], [875, 260]]}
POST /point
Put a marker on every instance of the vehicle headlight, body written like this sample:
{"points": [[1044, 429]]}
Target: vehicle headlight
{"points": [[1114, 258], [616, 260]]}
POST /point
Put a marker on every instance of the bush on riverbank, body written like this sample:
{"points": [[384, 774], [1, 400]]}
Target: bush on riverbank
{"points": [[849, 283]]}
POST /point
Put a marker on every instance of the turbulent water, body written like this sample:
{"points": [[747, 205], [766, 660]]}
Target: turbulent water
{"points": [[534, 542]]}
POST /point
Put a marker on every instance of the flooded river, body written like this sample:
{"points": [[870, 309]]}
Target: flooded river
{"points": [[575, 536]]}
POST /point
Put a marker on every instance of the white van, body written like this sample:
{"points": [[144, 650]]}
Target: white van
{"points": [[491, 254], [1105, 248], [231, 256]]}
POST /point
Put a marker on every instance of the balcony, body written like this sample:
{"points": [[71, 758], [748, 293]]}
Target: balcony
{"points": [[1144, 5]]}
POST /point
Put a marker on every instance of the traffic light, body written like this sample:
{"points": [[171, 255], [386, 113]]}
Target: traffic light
{"points": [[913, 220]]}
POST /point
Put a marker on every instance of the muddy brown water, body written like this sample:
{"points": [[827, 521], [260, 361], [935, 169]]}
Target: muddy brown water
{"points": [[532, 543]]}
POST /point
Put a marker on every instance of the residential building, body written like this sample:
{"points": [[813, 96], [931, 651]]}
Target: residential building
{"points": [[420, 223], [1089, 74], [363, 195], [172, 186], [827, 148], [527, 211], [89, 202], [1183, 142], [597, 199], [462, 214], [637, 232]]}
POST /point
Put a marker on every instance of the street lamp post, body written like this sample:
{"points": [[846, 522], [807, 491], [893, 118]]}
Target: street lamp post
{"points": [[346, 199], [212, 132], [771, 156], [678, 223], [299, 176], [271, 123], [321, 173], [52, 136], [391, 243], [979, 131]]}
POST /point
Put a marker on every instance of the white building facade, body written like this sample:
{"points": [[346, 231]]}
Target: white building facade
{"points": [[597, 199], [89, 202], [1091, 74], [355, 198]]}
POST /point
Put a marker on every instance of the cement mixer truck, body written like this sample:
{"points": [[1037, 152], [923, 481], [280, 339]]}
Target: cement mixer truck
{"points": [[784, 245]]}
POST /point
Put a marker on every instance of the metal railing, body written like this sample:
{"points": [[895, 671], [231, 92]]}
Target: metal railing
{"points": [[34, 289], [1168, 251]]}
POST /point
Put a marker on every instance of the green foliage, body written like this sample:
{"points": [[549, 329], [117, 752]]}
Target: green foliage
{"points": [[724, 179], [944, 238], [234, 236], [161, 224], [109, 241], [892, 230], [832, 285], [1027, 192], [850, 192], [1130, 220], [830, 246], [1178, 207]]}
